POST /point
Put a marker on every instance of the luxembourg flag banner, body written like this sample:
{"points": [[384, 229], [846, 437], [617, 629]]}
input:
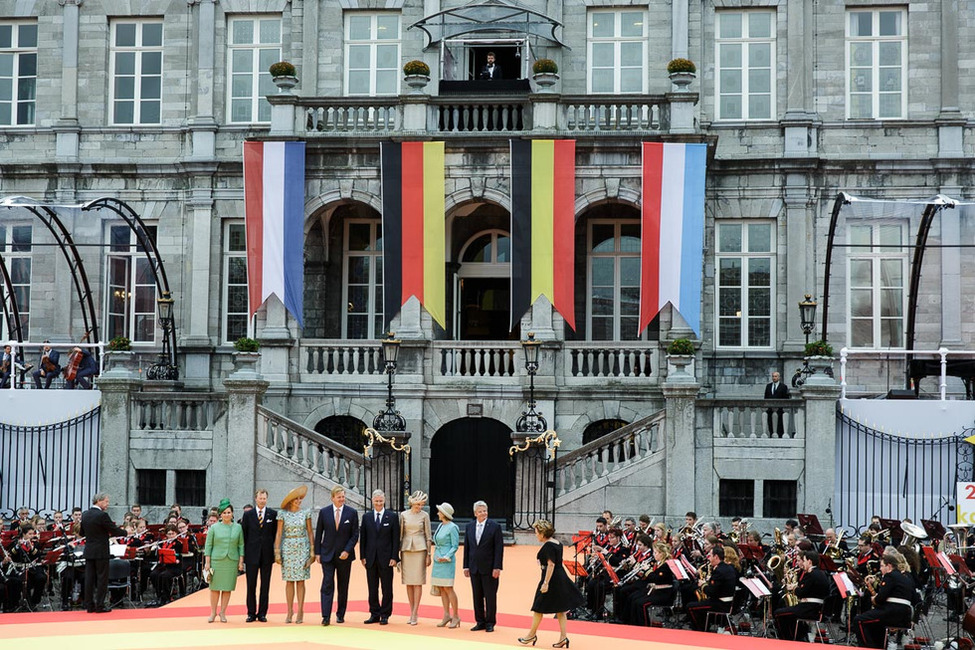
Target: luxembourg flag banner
{"points": [[672, 255], [274, 213]]}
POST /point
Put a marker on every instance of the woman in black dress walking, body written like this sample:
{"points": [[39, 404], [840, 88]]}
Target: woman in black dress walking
{"points": [[556, 593]]}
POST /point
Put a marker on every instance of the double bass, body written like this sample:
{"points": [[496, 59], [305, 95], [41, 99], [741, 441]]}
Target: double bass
{"points": [[74, 362]]}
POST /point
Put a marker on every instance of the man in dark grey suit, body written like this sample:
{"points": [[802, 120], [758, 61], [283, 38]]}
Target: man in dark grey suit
{"points": [[96, 528], [379, 548], [775, 389], [336, 533], [260, 525], [483, 559]]}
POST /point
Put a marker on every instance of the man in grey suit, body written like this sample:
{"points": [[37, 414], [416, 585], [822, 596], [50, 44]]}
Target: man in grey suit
{"points": [[483, 559], [379, 548], [336, 533]]}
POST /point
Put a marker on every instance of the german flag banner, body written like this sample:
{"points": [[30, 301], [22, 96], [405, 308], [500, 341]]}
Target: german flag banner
{"points": [[543, 176], [413, 227]]}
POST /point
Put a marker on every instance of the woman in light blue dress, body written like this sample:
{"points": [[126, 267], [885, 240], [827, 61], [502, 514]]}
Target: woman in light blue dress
{"points": [[446, 540], [294, 549]]}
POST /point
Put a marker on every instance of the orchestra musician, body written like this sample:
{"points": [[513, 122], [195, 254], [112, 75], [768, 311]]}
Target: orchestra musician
{"points": [[87, 368], [49, 366], [625, 593], [867, 559], [830, 541], [23, 518], [644, 525], [188, 550], [599, 533], [660, 583], [811, 590], [599, 582], [891, 600], [719, 590], [167, 568], [8, 364], [29, 578], [629, 532]]}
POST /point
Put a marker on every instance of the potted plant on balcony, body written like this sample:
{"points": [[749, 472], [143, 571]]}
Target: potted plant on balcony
{"points": [[680, 356], [283, 76], [682, 72], [545, 73], [119, 357], [246, 355], [417, 75]]}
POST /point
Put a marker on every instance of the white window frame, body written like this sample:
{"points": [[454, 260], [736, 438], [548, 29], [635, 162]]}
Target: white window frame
{"points": [[876, 254], [12, 253], [747, 42], [230, 253], [373, 43], [375, 254], [134, 256], [876, 41], [744, 255], [616, 255], [617, 40], [141, 80], [262, 55], [16, 82]]}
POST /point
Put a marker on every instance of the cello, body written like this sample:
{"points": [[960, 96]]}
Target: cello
{"points": [[74, 362]]}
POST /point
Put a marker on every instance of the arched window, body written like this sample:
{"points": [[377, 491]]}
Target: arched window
{"points": [[362, 279], [483, 289], [600, 428], [614, 279], [343, 429]]}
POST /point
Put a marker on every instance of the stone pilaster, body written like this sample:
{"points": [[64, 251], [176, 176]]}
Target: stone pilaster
{"points": [[239, 446], [203, 125], [679, 29], [820, 393], [680, 492], [797, 225], [67, 129], [116, 426]]}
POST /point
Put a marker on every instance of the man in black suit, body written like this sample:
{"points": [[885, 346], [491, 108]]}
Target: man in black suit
{"points": [[48, 367], [97, 527], [776, 390], [483, 559], [379, 548], [491, 70], [336, 533], [260, 525]]}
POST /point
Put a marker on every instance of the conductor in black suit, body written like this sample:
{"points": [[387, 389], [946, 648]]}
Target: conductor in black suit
{"points": [[336, 533], [491, 70], [97, 527], [379, 550], [483, 559], [776, 390], [260, 525]]}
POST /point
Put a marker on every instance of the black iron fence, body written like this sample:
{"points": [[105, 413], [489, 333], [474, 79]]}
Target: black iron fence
{"points": [[535, 478]]}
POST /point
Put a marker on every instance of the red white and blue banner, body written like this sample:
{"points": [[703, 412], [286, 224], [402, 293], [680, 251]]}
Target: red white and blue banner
{"points": [[672, 255], [274, 211]]}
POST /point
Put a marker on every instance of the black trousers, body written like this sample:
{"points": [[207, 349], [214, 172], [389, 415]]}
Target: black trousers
{"points": [[96, 583], [698, 612], [787, 619], [781, 421], [335, 576], [253, 571], [869, 626], [162, 580], [485, 590], [379, 575]]}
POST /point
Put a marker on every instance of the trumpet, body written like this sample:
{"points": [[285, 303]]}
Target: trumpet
{"points": [[638, 571]]}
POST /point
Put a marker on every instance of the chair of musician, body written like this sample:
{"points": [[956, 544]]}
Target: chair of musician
{"points": [[897, 633], [823, 628], [728, 618], [119, 583]]}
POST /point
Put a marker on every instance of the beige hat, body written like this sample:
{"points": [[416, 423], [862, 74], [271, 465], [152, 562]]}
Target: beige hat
{"points": [[446, 510], [297, 493], [418, 497]]}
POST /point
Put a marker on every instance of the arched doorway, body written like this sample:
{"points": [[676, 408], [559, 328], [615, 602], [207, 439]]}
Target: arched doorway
{"points": [[468, 462]]}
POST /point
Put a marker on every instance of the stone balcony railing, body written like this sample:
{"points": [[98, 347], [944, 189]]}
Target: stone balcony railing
{"points": [[495, 115]]}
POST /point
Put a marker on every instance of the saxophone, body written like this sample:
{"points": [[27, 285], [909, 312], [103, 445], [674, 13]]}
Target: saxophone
{"points": [[789, 587], [702, 579]]}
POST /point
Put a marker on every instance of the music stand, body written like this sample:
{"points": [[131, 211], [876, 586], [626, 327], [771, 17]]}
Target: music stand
{"points": [[52, 557], [610, 571], [810, 525], [847, 590], [678, 569], [826, 563], [749, 552], [575, 569], [762, 595], [933, 528], [894, 526]]}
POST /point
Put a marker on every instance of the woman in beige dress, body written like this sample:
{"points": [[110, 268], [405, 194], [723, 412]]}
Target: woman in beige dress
{"points": [[415, 545]]}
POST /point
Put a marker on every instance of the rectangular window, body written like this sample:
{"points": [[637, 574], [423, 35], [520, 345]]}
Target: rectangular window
{"points": [[136, 64], [372, 59], [876, 61], [130, 294], [745, 83], [617, 42], [18, 73], [614, 280], [745, 272], [736, 498], [254, 44], [363, 280], [779, 499], [876, 299], [236, 320], [16, 246], [191, 487], [150, 487]]}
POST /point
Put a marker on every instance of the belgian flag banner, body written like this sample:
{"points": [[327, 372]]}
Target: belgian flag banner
{"points": [[413, 227], [543, 176]]}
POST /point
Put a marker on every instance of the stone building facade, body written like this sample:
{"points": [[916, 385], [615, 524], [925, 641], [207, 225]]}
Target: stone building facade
{"points": [[150, 101]]}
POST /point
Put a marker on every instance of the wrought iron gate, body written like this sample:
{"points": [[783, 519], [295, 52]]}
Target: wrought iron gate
{"points": [[386, 468], [534, 479], [896, 477]]}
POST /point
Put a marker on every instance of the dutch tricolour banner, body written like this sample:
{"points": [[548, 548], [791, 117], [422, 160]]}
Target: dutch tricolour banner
{"points": [[274, 198], [671, 265]]}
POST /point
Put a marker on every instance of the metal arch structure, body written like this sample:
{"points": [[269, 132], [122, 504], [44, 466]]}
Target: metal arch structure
{"points": [[47, 216], [11, 313]]}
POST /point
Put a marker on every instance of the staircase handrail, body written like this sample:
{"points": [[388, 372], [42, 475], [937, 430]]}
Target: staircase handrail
{"points": [[612, 438], [313, 435]]}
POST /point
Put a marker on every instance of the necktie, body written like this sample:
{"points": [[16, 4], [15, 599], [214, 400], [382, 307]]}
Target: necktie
{"points": [[338, 517], [260, 518], [480, 529], [379, 520]]}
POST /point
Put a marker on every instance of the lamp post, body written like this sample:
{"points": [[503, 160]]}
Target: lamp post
{"points": [[165, 367], [531, 421], [807, 321], [390, 419]]}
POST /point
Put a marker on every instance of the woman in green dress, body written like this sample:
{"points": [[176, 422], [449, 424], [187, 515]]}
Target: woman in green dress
{"points": [[224, 553]]}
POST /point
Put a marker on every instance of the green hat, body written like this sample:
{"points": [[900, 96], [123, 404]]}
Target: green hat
{"points": [[224, 504]]}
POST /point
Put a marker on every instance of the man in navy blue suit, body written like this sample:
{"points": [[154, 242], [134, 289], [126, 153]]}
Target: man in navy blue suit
{"points": [[335, 537], [483, 558], [260, 526], [379, 548]]}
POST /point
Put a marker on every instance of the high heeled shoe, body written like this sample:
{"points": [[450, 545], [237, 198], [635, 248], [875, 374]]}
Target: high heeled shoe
{"points": [[211, 618], [287, 619], [454, 623], [412, 620], [563, 643], [526, 641], [446, 619], [223, 617], [300, 618]]}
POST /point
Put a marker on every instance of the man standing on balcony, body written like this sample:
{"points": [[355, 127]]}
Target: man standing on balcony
{"points": [[776, 390], [491, 70]]}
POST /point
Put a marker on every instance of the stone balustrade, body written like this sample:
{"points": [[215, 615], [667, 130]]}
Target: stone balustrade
{"points": [[176, 411], [341, 359], [589, 114], [585, 361], [476, 359], [748, 418]]}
